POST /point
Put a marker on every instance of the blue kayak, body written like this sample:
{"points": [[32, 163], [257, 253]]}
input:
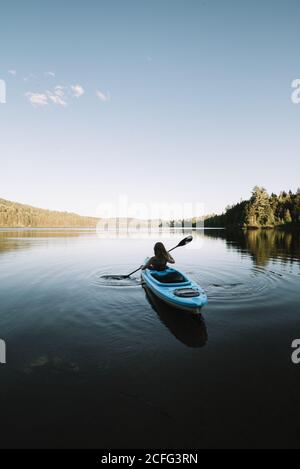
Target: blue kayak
{"points": [[175, 288]]}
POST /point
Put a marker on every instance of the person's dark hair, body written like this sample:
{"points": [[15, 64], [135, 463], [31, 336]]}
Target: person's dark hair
{"points": [[160, 252]]}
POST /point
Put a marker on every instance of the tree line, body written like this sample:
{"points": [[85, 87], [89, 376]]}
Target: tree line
{"points": [[261, 211], [15, 215]]}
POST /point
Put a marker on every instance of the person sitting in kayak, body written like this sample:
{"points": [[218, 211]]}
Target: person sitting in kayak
{"points": [[160, 259]]}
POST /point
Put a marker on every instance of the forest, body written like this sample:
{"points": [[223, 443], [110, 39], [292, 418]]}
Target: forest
{"points": [[261, 211], [15, 215]]}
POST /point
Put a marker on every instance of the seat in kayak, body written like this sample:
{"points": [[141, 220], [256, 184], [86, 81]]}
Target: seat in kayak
{"points": [[169, 277]]}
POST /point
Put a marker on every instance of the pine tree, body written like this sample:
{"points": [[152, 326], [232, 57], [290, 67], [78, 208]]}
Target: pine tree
{"points": [[261, 211], [287, 216], [262, 206]]}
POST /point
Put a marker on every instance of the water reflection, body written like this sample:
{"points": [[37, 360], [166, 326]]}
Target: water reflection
{"points": [[10, 245], [190, 329], [73, 338], [45, 233], [262, 245], [21, 239]]}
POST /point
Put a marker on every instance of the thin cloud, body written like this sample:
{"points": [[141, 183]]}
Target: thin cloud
{"points": [[12, 72], [57, 100], [104, 97], [58, 96], [59, 91], [37, 99], [49, 74], [77, 90]]}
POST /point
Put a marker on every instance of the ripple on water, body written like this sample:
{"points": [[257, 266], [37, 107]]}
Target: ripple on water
{"points": [[105, 278], [243, 285], [116, 304], [229, 286]]}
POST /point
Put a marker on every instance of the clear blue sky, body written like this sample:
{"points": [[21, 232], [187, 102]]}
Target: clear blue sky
{"points": [[193, 104]]}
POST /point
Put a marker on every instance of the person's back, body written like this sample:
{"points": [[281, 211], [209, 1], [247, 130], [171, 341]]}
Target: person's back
{"points": [[160, 259]]}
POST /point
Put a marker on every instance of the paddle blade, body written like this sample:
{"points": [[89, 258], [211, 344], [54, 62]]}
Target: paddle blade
{"points": [[185, 241], [114, 277]]}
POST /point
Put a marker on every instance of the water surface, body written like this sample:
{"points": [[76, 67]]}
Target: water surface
{"points": [[99, 363]]}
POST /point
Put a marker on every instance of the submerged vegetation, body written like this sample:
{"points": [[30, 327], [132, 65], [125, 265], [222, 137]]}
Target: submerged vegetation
{"points": [[261, 211]]}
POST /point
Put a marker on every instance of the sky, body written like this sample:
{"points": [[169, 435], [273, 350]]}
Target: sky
{"points": [[159, 101]]}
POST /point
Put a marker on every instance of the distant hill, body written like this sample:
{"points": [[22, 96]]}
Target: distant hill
{"points": [[15, 215], [260, 211]]}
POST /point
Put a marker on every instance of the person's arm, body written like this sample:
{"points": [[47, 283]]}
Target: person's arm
{"points": [[171, 259]]}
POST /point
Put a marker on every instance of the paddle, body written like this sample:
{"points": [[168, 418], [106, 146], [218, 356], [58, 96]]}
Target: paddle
{"points": [[183, 242]]}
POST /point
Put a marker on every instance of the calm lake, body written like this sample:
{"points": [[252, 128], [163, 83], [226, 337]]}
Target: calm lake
{"points": [[98, 363]]}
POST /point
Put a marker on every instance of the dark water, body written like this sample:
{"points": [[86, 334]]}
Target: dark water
{"points": [[97, 363]]}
